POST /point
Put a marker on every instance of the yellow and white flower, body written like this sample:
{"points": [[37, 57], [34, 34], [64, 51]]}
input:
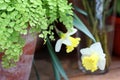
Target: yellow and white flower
{"points": [[93, 58], [70, 42]]}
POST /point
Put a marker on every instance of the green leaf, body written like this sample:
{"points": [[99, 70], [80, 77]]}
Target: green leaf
{"points": [[24, 32], [11, 24], [31, 23], [17, 28], [56, 72], [5, 22], [1, 50], [10, 30], [3, 15], [7, 0], [80, 10], [1, 1], [14, 13], [55, 60], [10, 8], [118, 6], [79, 25], [19, 1], [32, 1], [18, 16], [3, 6]]}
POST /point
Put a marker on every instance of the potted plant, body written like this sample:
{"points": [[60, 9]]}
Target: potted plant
{"points": [[20, 22], [116, 46]]}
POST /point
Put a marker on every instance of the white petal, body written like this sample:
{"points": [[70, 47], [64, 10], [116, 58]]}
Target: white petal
{"points": [[58, 45], [66, 41], [85, 52], [102, 63], [73, 31], [97, 48]]}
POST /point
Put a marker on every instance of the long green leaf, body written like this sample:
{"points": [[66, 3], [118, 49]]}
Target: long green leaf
{"points": [[80, 10], [79, 25], [55, 60], [56, 72]]}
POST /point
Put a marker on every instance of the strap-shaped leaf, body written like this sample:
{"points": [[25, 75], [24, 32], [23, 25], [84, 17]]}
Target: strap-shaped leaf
{"points": [[80, 26], [56, 72], [55, 60], [80, 10]]}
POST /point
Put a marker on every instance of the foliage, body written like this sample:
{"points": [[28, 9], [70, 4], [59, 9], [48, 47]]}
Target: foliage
{"points": [[16, 16], [118, 7], [19, 17], [58, 70]]}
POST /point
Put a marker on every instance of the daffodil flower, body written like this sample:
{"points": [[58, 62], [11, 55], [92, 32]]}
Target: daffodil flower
{"points": [[93, 58], [70, 42]]}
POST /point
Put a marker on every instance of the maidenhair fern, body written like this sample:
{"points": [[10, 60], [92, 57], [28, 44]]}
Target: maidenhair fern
{"points": [[17, 15], [59, 10]]}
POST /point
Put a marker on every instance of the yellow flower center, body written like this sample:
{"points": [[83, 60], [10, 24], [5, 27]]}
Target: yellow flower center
{"points": [[90, 62], [74, 43]]}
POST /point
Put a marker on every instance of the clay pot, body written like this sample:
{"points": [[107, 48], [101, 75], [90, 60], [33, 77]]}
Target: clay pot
{"points": [[23, 68]]}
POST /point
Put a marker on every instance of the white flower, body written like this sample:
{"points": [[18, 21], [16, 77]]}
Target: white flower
{"points": [[65, 39], [95, 55]]}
